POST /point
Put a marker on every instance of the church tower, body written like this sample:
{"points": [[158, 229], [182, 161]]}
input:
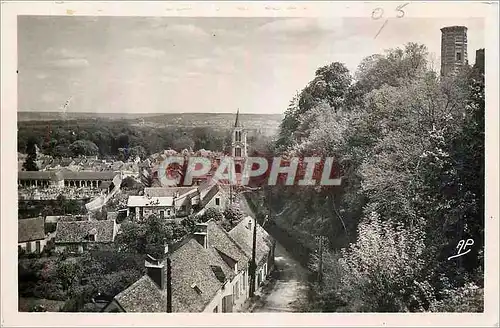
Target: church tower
{"points": [[239, 139]]}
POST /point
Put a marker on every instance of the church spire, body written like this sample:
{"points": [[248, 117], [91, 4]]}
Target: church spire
{"points": [[237, 123]]}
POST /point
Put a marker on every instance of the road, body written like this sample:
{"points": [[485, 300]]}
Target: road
{"points": [[289, 291]]}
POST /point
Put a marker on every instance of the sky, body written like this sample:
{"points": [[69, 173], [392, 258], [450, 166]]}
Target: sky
{"points": [[200, 65]]}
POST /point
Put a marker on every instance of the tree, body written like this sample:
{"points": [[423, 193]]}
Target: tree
{"points": [[31, 149], [231, 217], [330, 86], [410, 147], [148, 237], [139, 151], [184, 142], [379, 271], [211, 213], [83, 147], [68, 272]]}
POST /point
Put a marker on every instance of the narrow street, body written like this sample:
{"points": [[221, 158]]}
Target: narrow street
{"points": [[289, 290]]}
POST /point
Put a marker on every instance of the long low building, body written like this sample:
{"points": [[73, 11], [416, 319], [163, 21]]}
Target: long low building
{"points": [[64, 178]]}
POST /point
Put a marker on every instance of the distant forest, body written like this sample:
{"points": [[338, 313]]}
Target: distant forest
{"points": [[121, 138]]}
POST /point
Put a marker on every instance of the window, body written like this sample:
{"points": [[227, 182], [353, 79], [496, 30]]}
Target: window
{"points": [[217, 201], [162, 214], [38, 246], [459, 56], [196, 288], [168, 212], [237, 136], [237, 152]]}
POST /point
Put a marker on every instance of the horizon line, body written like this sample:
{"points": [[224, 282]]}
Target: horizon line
{"points": [[136, 113]]}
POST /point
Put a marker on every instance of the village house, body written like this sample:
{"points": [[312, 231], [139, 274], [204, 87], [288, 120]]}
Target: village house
{"points": [[177, 201], [31, 235], [206, 272], [242, 234], [78, 236]]}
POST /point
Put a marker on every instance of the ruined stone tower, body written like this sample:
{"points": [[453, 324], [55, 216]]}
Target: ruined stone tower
{"points": [[453, 49]]}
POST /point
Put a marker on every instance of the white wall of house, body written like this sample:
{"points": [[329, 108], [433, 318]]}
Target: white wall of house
{"points": [[147, 211], [77, 248], [215, 304], [220, 201], [237, 288], [31, 246]]}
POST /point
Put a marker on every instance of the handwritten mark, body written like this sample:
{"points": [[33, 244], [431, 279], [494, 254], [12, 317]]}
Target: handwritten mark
{"points": [[462, 245], [378, 13]]}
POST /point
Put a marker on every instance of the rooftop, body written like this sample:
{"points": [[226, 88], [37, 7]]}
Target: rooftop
{"points": [[243, 235], [78, 231], [167, 191], [30, 229], [197, 275]]}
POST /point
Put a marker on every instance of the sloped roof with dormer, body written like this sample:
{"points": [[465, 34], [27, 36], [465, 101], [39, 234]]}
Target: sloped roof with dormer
{"points": [[242, 234], [78, 231], [197, 275]]}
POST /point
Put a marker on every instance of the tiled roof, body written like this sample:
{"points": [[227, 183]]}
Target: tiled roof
{"points": [[193, 267], [78, 231], [30, 229], [142, 296], [167, 191], [244, 238], [65, 174], [86, 175], [222, 242], [36, 175]]}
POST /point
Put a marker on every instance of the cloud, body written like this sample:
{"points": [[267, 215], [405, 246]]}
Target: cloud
{"points": [[63, 53], [145, 52], [193, 74], [301, 26], [181, 30], [64, 57], [199, 62], [231, 51], [71, 62]]}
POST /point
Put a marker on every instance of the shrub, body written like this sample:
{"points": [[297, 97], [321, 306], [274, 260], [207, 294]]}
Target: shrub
{"points": [[380, 270]]}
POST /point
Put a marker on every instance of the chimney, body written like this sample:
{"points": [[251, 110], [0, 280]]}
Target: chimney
{"points": [[201, 234], [155, 271], [249, 224]]}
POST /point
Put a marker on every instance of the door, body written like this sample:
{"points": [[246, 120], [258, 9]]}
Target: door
{"points": [[227, 304], [28, 247], [38, 246]]}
